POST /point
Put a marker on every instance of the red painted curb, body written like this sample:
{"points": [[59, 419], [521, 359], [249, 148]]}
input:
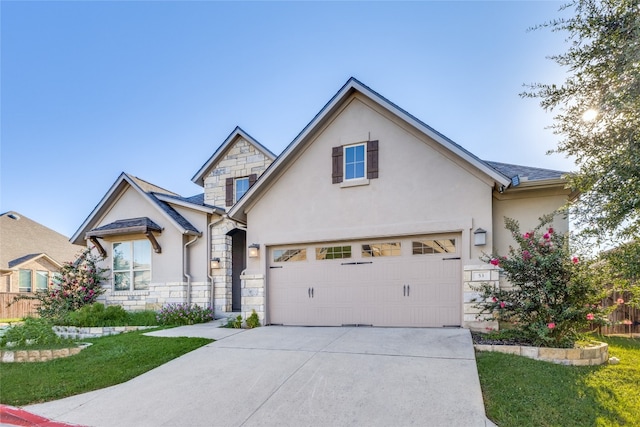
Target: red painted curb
{"points": [[18, 417]]}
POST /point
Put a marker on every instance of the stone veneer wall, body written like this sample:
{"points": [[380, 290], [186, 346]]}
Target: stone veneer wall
{"points": [[253, 295], [222, 277], [475, 275], [159, 295], [242, 159]]}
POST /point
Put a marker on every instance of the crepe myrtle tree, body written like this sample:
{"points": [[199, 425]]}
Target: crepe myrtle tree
{"points": [[552, 298]]}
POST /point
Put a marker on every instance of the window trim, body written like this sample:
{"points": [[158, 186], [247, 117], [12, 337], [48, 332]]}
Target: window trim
{"points": [[20, 274], [45, 274], [364, 161], [235, 187]]}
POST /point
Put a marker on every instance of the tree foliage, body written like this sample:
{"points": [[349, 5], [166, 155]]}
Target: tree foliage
{"points": [[603, 77]]}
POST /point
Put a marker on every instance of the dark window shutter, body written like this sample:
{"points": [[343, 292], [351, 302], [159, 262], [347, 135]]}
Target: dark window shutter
{"points": [[336, 157], [252, 179], [372, 159], [229, 192]]}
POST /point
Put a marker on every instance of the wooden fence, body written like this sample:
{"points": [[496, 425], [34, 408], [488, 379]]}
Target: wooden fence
{"points": [[624, 319], [18, 309]]}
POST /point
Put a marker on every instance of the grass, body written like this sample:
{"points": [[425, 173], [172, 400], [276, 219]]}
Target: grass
{"points": [[524, 392], [110, 360]]}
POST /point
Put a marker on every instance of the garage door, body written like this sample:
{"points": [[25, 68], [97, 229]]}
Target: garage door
{"points": [[392, 282]]}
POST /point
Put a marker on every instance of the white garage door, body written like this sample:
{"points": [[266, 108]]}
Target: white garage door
{"points": [[392, 282]]}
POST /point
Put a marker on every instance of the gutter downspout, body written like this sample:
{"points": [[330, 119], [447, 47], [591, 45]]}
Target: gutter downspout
{"points": [[185, 267], [210, 253]]}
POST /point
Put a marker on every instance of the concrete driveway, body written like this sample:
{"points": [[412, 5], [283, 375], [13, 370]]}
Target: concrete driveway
{"points": [[296, 376]]}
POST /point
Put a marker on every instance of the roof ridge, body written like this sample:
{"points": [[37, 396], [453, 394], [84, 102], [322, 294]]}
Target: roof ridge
{"points": [[151, 188]]}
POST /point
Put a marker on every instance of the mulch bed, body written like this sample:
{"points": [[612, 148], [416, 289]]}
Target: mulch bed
{"points": [[480, 338]]}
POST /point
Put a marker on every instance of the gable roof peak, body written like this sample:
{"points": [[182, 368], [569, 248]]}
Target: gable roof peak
{"points": [[198, 178]]}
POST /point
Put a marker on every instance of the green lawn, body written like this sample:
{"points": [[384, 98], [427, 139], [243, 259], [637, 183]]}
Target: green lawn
{"points": [[524, 392], [110, 360]]}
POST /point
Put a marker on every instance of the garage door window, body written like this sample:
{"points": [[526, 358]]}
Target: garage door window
{"points": [[441, 246], [381, 249], [333, 252], [286, 255]]}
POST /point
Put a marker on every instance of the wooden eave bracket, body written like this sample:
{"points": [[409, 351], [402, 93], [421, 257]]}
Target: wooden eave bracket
{"points": [[154, 242], [98, 246]]}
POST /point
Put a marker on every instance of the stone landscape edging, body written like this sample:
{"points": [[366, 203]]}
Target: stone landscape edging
{"points": [[75, 332], [11, 356], [587, 356]]}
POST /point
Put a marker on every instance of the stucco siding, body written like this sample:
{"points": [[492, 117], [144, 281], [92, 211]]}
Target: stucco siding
{"points": [[526, 208], [419, 189]]}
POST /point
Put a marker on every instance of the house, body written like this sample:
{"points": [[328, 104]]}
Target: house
{"points": [[368, 217], [30, 254]]}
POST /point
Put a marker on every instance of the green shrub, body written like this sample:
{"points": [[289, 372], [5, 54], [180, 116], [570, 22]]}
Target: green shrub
{"points": [[184, 314], [32, 333], [234, 322], [96, 315], [142, 318], [253, 321]]}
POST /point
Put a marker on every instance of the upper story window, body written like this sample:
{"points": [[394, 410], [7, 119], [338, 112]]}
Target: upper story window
{"points": [[237, 187], [131, 265], [355, 162], [242, 186]]}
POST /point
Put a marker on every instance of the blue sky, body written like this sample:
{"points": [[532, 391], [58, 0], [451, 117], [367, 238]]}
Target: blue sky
{"points": [[92, 89]]}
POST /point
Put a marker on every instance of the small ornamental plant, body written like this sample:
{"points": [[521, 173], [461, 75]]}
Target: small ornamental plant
{"points": [[184, 314], [77, 284], [553, 297]]}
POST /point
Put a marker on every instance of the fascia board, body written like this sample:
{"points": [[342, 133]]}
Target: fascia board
{"points": [[185, 204], [78, 236]]}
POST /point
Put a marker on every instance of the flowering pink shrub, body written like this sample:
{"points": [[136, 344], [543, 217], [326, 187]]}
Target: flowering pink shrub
{"points": [[552, 298], [184, 314], [77, 285]]}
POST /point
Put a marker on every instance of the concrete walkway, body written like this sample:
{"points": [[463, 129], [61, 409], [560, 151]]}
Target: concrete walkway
{"points": [[296, 376]]}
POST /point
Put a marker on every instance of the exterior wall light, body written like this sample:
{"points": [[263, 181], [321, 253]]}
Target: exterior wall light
{"points": [[215, 263], [480, 237], [254, 250]]}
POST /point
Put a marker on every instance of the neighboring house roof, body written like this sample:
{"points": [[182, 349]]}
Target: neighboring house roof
{"points": [[527, 173], [158, 197], [17, 263], [352, 86], [198, 178], [23, 240]]}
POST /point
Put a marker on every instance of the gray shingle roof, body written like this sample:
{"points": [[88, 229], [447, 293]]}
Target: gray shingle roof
{"points": [[22, 239], [151, 189], [130, 223], [174, 214], [528, 172]]}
